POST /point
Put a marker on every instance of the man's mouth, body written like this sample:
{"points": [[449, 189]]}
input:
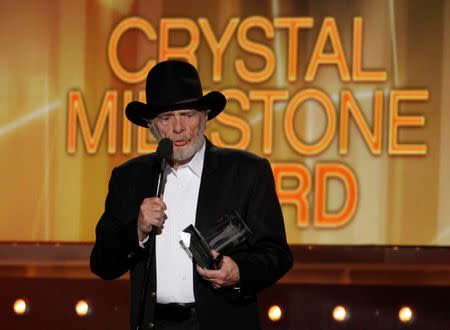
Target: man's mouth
{"points": [[180, 143]]}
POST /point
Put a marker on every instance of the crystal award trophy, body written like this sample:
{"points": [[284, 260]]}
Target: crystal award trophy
{"points": [[229, 231]]}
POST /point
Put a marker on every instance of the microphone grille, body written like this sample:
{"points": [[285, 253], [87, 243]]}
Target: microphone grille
{"points": [[165, 149]]}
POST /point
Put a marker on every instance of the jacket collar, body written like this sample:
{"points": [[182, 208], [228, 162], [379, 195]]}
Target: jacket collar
{"points": [[211, 162]]}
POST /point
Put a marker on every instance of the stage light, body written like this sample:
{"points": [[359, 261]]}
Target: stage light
{"points": [[21, 306], [82, 308], [340, 313], [406, 314], [275, 313]]}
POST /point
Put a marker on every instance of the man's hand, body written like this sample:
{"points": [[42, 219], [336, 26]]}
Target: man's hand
{"points": [[227, 275], [151, 214]]}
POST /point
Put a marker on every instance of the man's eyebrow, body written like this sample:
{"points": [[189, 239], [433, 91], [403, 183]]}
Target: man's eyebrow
{"points": [[168, 113]]}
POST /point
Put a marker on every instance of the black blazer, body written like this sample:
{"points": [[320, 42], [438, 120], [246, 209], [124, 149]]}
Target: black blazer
{"points": [[231, 179]]}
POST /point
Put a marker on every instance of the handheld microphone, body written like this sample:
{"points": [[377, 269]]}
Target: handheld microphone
{"points": [[164, 153]]}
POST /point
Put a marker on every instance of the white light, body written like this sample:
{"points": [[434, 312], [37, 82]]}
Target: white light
{"points": [[21, 306], [405, 314], [340, 313], [275, 313], [82, 308], [11, 126]]}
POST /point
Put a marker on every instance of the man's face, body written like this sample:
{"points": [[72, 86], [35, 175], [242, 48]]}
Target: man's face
{"points": [[184, 128]]}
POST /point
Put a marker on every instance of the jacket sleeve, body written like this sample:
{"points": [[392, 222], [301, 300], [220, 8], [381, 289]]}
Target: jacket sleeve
{"points": [[116, 246], [268, 257]]}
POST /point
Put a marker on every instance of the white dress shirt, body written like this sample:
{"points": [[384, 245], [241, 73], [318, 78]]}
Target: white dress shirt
{"points": [[174, 270]]}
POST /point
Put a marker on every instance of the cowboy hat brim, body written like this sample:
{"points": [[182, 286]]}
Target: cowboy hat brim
{"points": [[139, 113]]}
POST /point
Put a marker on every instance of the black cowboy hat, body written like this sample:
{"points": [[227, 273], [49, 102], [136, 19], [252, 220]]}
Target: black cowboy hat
{"points": [[173, 85]]}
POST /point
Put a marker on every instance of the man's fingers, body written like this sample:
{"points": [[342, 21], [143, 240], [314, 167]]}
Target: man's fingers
{"points": [[155, 218], [157, 208], [154, 202], [217, 278], [227, 275]]}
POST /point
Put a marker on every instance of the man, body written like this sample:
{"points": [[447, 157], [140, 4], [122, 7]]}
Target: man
{"points": [[203, 184]]}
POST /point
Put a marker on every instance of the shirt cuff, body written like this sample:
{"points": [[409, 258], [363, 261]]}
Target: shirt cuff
{"points": [[141, 243]]}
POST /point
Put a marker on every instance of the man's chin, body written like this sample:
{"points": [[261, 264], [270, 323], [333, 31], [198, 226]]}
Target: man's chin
{"points": [[186, 152], [183, 154]]}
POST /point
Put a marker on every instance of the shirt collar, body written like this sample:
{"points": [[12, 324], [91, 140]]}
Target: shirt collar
{"points": [[196, 163]]}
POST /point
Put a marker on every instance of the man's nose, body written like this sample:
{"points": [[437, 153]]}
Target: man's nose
{"points": [[178, 125]]}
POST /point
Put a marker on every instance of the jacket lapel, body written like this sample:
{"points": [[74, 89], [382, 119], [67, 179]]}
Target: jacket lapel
{"points": [[210, 181], [148, 181]]}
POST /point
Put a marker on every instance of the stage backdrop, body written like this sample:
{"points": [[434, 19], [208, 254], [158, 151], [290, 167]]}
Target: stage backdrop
{"points": [[349, 100]]}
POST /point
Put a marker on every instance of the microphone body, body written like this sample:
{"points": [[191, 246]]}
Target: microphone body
{"points": [[164, 153], [161, 180]]}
